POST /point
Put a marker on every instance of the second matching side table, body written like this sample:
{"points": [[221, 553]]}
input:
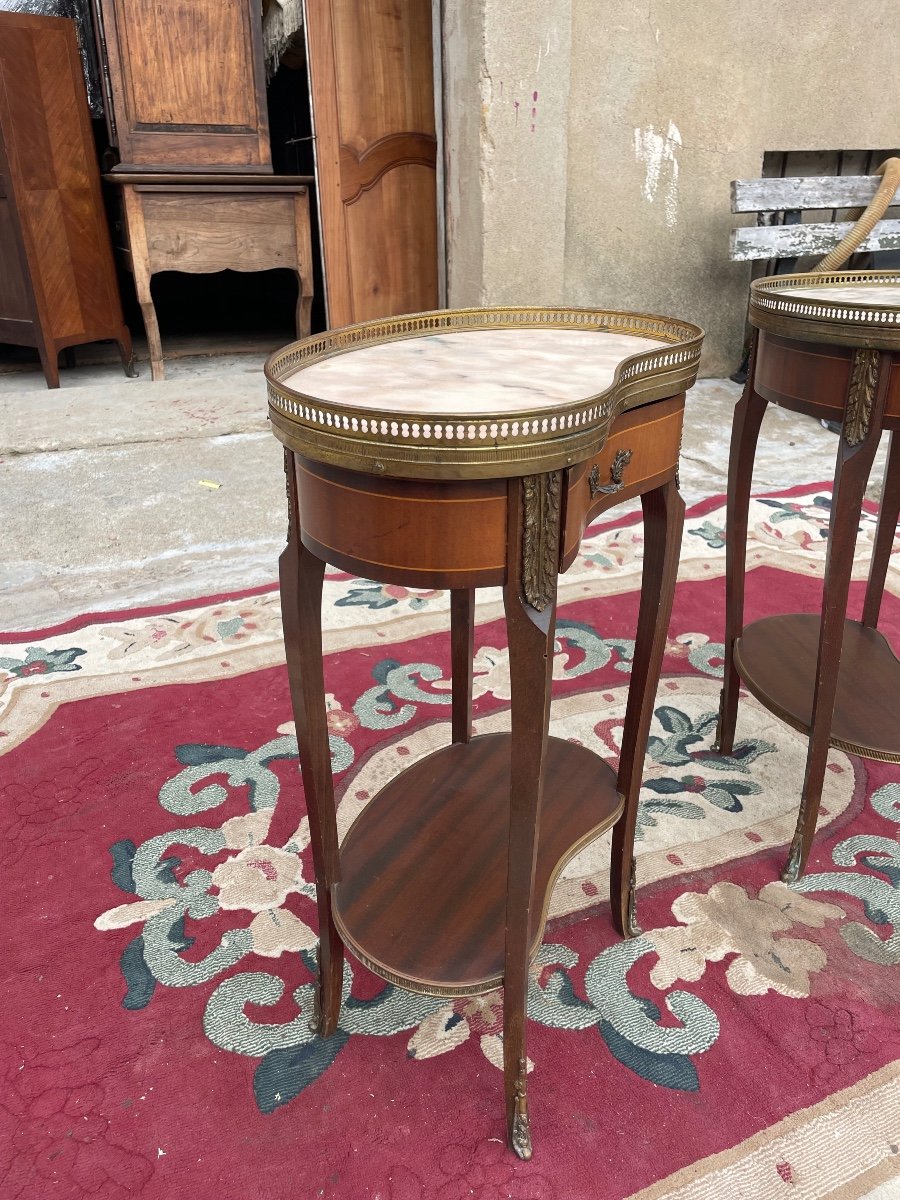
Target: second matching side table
{"points": [[461, 450], [827, 345]]}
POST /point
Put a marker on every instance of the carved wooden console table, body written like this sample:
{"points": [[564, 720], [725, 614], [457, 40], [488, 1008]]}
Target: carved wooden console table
{"points": [[460, 450], [207, 223], [829, 346]]}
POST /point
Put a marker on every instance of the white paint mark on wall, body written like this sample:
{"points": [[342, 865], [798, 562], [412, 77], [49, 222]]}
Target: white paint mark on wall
{"points": [[658, 153], [544, 51]]}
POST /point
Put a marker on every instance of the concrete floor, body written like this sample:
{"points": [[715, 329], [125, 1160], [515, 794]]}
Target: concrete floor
{"points": [[105, 488]]}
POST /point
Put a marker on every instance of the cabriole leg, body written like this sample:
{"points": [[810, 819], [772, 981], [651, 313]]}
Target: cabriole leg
{"points": [[663, 522], [462, 648], [859, 440], [884, 537], [301, 575], [530, 602], [748, 416]]}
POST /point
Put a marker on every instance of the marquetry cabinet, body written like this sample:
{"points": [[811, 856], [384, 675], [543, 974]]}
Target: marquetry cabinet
{"points": [[57, 280]]}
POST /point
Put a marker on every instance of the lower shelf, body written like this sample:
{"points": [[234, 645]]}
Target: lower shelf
{"points": [[422, 900], [776, 658]]}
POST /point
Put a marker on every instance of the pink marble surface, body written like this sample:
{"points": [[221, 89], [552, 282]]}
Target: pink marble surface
{"points": [[871, 296], [473, 371]]}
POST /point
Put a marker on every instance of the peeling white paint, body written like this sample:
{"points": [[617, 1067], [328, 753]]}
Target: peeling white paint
{"points": [[658, 153]]}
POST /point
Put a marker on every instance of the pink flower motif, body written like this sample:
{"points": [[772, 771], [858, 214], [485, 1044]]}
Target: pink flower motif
{"points": [[258, 878]]}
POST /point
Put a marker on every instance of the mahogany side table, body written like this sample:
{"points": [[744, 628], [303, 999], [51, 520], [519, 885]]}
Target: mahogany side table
{"points": [[461, 450], [827, 345]]}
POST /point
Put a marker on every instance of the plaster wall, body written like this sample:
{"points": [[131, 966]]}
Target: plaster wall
{"points": [[590, 143]]}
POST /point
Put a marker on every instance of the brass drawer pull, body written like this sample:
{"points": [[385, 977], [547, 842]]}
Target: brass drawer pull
{"points": [[619, 463]]}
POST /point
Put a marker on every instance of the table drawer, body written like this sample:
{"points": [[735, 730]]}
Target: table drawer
{"points": [[641, 453]]}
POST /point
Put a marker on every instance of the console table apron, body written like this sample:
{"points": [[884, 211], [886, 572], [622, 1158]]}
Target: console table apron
{"points": [[826, 345], [460, 450]]}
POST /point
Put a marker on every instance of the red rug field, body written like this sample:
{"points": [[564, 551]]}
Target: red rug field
{"points": [[159, 929]]}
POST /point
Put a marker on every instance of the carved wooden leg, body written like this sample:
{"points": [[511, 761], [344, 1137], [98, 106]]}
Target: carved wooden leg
{"points": [[530, 601], [663, 522], [126, 352], [301, 574], [140, 265], [462, 647], [304, 304], [884, 538], [303, 237], [859, 441], [748, 416]]}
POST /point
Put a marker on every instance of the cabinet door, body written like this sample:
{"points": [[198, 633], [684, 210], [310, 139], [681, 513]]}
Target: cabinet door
{"points": [[372, 84], [188, 83]]}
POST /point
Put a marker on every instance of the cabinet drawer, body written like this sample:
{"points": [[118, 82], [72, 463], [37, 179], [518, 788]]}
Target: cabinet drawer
{"points": [[641, 453]]}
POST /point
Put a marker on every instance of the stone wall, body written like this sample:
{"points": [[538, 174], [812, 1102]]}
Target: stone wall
{"points": [[590, 143]]}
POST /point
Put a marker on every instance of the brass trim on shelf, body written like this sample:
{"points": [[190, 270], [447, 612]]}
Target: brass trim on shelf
{"points": [[381, 441], [774, 308]]}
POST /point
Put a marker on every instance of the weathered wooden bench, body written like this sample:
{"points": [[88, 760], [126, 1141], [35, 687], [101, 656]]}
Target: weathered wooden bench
{"points": [[780, 234], [774, 198]]}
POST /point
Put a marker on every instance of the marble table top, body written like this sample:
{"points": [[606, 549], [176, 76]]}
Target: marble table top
{"points": [[871, 294], [473, 371]]}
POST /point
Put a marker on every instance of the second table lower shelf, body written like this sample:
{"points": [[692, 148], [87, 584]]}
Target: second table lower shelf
{"points": [[422, 898], [776, 658]]}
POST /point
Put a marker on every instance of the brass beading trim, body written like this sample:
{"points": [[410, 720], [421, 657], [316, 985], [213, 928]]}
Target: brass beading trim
{"points": [[486, 445], [838, 322]]}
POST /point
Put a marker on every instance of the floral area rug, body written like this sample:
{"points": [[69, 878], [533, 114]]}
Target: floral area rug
{"points": [[159, 927]]}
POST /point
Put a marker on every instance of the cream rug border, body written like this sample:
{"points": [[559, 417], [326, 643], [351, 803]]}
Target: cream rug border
{"points": [[864, 1120]]}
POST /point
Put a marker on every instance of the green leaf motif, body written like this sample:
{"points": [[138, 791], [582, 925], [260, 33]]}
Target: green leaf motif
{"points": [[137, 976], [674, 1071], [195, 754], [370, 597], [284, 1073], [122, 875]]}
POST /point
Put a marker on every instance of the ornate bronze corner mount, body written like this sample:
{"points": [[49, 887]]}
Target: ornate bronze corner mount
{"points": [[616, 483], [540, 537], [289, 487], [717, 743], [521, 1131], [861, 395], [791, 872], [316, 1021], [634, 930]]}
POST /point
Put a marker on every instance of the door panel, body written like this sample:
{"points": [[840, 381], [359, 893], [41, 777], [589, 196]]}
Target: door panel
{"points": [[372, 84], [393, 272]]}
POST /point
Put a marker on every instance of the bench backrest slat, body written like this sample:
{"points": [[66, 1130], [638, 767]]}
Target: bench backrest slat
{"points": [[773, 195], [792, 241]]}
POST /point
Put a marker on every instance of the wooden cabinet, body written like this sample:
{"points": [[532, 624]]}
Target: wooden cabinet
{"points": [[57, 281], [187, 83]]}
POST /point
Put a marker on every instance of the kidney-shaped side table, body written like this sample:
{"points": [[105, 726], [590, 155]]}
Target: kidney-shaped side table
{"points": [[827, 345], [460, 450]]}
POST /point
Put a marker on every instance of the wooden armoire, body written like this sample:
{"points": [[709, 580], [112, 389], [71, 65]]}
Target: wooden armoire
{"points": [[186, 85]]}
